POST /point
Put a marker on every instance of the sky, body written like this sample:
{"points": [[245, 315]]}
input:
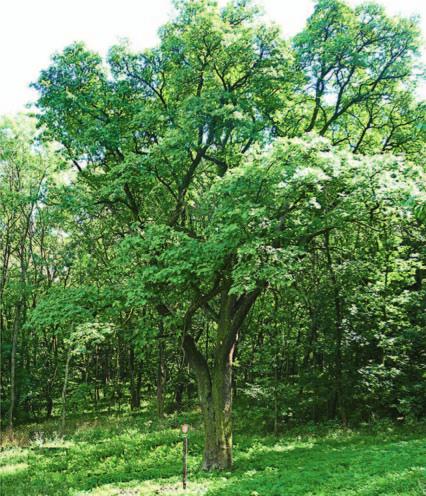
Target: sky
{"points": [[31, 31]]}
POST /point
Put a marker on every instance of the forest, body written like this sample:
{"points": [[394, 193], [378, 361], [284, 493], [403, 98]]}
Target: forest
{"points": [[227, 230]]}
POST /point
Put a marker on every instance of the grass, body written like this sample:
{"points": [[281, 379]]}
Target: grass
{"points": [[130, 455]]}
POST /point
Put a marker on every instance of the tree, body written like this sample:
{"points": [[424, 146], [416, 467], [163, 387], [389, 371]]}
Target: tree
{"points": [[172, 146], [25, 173], [70, 315]]}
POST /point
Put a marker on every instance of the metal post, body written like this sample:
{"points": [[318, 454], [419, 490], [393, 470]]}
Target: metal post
{"points": [[185, 467], [185, 428]]}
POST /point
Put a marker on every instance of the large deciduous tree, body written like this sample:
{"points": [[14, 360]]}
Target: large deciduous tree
{"points": [[174, 144]]}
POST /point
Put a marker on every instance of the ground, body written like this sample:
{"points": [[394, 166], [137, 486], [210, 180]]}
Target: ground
{"points": [[129, 455]]}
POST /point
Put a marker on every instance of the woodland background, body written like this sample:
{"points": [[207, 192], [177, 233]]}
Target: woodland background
{"points": [[226, 217]]}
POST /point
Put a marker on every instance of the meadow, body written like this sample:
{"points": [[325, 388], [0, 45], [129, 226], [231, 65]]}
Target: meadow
{"points": [[130, 455]]}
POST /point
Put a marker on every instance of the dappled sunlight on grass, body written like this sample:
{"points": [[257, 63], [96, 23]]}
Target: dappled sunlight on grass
{"points": [[148, 488], [258, 448], [396, 483], [13, 469]]}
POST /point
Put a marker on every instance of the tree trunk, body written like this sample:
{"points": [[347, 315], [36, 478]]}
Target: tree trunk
{"points": [[135, 381], [49, 406], [64, 391], [13, 374], [16, 328], [215, 395], [222, 406], [161, 373], [337, 398], [215, 384], [138, 387], [133, 399], [180, 384]]}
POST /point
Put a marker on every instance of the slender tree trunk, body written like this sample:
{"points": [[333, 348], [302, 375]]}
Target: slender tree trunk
{"points": [[64, 391], [117, 385], [132, 378], [337, 399], [138, 386], [20, 315], [135, 381], [49, 405], [161, 373], [13, 374], [52, 367], [180, 384], [276, 388], [96, 392]]}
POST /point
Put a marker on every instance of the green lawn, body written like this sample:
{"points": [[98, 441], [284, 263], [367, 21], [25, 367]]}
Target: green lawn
{"points": [[132, 456]]}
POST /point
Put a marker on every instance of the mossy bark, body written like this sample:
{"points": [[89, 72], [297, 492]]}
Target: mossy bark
{"points": [[215, 395], [215, 382]]}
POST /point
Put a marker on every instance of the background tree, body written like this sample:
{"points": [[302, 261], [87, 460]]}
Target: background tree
{"points": [[26, 245]]}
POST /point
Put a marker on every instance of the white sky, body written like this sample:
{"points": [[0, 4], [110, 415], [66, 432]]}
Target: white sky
{"points": [[31, 31]]}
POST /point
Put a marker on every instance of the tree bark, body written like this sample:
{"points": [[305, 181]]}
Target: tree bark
{"points": [[161, 373], [215, 383], [222, 406], [13, 373], [49, 405], [213, 449], [336, 400], [134, 399], [64, 391], [135, 402]]}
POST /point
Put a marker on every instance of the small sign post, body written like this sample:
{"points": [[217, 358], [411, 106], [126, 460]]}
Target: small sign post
{"points": [[185, 429]]}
